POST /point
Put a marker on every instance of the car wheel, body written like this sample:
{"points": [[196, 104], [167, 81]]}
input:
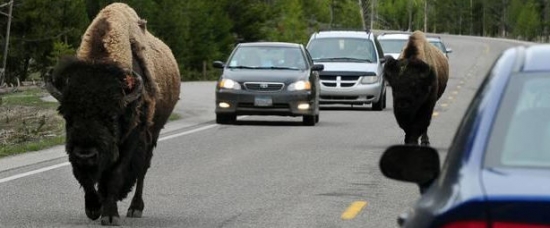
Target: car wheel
{"points": [[225, 118], [309, 120], [317, 118], [381, 104]]}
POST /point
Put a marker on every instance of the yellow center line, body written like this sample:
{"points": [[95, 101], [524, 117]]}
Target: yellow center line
{"points": [[354, 209]]}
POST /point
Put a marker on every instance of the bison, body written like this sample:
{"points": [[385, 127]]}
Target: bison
{"points": [[115, 95], [418, 79]]}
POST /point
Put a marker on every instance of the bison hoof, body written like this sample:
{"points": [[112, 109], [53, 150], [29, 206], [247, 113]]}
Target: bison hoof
{"points": [[93, 214], [134, 213], [110, 221]]}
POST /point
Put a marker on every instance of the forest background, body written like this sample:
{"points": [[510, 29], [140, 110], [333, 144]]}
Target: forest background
{"points": [[201, 31]]}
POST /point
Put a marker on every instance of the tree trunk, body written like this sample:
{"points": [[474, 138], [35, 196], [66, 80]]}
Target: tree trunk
{"points": [[409, 9], [546, 21], [425, 15]]}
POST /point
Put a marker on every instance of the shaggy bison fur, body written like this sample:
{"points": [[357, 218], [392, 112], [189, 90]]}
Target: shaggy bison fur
{"points": [[115, 95], [418, 79]]}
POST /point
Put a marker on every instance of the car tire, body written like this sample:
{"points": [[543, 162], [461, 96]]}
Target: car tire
{"points": [[317, 118], [309, 120], [226, 118], [381, 104]]}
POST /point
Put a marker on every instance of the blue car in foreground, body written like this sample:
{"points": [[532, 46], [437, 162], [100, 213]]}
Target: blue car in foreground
{"points": [[497, 171]]}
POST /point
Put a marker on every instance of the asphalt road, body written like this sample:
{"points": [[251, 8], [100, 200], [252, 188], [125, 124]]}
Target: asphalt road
{"points": [[261, 172]]}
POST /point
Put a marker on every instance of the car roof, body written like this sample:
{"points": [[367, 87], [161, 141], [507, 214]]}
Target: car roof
{"points": [[405, 36], [342, 33], [272, 44], [536, 58]]}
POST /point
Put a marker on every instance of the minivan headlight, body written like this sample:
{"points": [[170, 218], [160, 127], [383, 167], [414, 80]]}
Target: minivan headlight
{"points": [[229, 84], [369, 79], [300, 85]]}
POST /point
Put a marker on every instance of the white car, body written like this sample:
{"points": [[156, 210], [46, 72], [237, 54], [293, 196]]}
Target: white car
{"points": [[353, 67], [393, 43]]}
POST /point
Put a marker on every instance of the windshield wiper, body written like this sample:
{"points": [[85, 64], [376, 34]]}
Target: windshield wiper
{"points": [[243, 67], [280, 68]]}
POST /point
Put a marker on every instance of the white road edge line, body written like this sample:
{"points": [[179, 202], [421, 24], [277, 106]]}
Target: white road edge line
{"points": [[48, 168]]}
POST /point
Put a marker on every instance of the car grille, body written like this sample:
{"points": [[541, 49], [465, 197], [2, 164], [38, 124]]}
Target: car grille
{"points": [[274, 106], [264, 86], [351, 98], [339, 81]]}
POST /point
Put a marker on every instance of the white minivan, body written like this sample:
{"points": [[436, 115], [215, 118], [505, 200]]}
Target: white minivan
{"points": [[353, 72]]}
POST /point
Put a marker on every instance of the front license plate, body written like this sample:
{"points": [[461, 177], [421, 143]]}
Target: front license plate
{"points": [[263, 101]]}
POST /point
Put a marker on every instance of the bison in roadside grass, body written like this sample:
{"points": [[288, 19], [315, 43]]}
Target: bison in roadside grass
{"points": [[115, 95], [418, 79]]}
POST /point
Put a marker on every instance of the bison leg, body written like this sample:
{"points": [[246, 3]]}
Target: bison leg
{"points": [[411, 139], [109, 188], [92, 202], [136, 207], [425, 140], [109, 215]]}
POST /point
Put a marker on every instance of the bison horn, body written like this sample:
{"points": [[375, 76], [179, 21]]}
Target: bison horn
{"points": [[137, 89], [51, 87]]}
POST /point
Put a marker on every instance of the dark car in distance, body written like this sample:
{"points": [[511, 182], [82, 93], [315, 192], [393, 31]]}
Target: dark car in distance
{"points": [[268, 78], [497, 169]]}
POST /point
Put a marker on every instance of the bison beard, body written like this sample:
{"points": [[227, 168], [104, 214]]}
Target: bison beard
{"points": [[115, 100]]}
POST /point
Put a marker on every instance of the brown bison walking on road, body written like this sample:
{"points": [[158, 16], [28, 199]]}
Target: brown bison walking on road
{"points": [[116, 95], [418, 79]]}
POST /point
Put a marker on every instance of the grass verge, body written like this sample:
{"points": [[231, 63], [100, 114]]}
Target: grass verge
{"points": [[27, 123]]}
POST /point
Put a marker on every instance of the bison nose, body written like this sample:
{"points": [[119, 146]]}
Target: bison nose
{"points": [[86, 156]]}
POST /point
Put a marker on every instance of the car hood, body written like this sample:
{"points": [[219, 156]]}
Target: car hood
{"points": [[349, 66], [265, 75]]}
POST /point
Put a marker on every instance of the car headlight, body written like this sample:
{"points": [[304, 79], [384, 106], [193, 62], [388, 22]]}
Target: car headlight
{"points": [[300, 85], [369, 79], [229, 84]]}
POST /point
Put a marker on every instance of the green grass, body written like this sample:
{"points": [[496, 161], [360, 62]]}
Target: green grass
{"points": [[174, 116], [27, 123], [31, 146]]}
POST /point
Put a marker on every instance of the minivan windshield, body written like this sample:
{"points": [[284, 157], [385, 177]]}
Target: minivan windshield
{"points": [[342, 49]]}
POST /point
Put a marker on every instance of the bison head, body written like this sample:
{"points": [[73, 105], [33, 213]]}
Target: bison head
{"points": [[412, 81], [94, 99]]}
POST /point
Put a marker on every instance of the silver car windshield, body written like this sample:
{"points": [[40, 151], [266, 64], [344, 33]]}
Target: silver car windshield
{"points": [[267, 57], [342, 49], [521, 133]]}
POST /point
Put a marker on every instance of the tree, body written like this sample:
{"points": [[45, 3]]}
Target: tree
{"points": [[528, 22], [36, 26]]}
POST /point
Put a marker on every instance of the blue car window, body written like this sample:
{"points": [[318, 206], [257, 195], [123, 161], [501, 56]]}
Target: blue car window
{"points": [[521, 137]]}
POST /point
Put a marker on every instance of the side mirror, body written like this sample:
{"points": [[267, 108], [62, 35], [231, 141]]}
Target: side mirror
{"points": [[410, 163], [318, 67], [449, 50], [218, 64]]}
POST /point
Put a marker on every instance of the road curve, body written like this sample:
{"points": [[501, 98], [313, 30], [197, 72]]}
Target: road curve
{"points": [[262, 171]]}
